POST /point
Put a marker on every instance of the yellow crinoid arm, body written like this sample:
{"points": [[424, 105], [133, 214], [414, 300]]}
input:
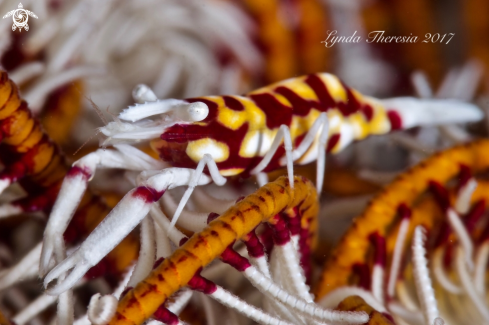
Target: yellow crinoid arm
{"points": [[202, 248], [356, 303], [62, 111], [381, 212]]}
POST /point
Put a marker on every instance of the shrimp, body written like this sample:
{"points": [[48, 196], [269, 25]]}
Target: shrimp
{"points": [[230, 135]]}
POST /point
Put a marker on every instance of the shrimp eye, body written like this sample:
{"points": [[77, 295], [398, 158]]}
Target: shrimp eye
{"points": [[197, 111]]}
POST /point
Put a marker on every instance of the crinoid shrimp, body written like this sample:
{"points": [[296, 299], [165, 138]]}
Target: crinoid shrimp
{"points": [[230, 135]]}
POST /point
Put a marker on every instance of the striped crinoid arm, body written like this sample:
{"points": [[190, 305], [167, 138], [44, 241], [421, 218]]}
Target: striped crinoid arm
{"points": [[23, 138], [28, 153], [202, 248], [388, 254], [381, 214], [31, 158]]}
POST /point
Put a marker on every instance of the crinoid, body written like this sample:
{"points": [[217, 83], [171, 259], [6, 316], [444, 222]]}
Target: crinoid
{"points": [[444, 196], [34, 161], [291, 214]]}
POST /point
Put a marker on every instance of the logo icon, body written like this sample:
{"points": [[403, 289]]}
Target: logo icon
{"points": [[20, 17]]}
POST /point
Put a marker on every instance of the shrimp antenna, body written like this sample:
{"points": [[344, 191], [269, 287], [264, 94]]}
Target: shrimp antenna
{"points": [[84, 143], [100, 115], [97, 110]]}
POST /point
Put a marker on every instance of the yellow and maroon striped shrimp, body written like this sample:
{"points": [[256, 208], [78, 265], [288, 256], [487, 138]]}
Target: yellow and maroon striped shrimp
{"points": [[231, 135], [384, 214], [202, 248], [239, 130], [34, 160]]}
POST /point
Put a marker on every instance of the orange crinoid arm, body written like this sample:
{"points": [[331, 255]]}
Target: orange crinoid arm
{"points": [[381, 212], [62, 111], [33, 159], [202, 248]]}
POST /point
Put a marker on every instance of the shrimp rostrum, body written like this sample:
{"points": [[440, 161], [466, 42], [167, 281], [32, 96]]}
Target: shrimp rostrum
{"points": [[296, 120]]}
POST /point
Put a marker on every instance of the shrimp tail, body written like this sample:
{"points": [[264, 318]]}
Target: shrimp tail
{"points": [[412, 111]]}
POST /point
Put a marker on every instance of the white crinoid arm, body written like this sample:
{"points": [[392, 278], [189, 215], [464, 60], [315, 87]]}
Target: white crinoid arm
{"points": [[422, 280], [75, 184], [127, 214], [40, 89]]}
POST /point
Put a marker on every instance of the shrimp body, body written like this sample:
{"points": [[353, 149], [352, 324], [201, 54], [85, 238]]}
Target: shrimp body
{"points": [[239, 130]]}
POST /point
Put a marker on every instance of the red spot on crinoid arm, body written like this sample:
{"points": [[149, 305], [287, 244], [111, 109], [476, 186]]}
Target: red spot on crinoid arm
{"points": [[362, 271], [231, 257], [253, 245], [474, 215], [165, 316], [464, 175], [305, 240], [77, 171], [147, 194], [281, 233], [201, 284], [441, 195], [404, 211], [211, 217], [378, 243], [293, 219]]}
